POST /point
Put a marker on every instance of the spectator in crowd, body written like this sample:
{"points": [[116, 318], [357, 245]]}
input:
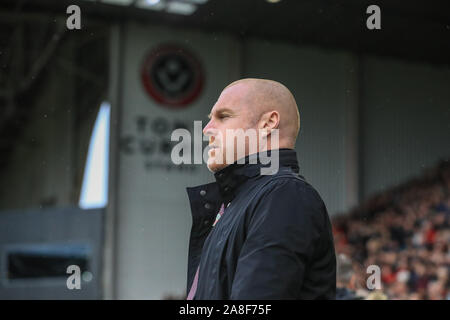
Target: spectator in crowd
{"points": [[345, 279], [406, 232]]}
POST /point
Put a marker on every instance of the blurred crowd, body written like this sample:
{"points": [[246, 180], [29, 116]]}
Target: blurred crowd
{"points": [[405, 231]]}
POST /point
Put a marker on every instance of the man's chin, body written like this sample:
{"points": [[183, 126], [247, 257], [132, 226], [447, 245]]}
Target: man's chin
{"points": [[213, 166]]}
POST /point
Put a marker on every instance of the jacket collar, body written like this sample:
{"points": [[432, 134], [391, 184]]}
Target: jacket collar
{"points": [[205, 200], [230, 178]]}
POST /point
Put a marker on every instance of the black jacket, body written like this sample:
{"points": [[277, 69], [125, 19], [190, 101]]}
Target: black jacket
{"points": [[274, 240]]}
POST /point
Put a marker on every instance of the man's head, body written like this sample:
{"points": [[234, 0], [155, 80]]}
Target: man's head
{"points": [[255, 106]]}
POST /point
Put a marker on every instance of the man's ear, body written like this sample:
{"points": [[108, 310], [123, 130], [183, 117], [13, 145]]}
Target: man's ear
{"points": [[270, 120]]}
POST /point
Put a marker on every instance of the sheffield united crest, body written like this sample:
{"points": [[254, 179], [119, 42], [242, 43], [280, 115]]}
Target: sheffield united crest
{"points": [[172, 76]]}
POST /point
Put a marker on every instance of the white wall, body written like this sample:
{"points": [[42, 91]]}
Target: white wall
{"points": [[321, 82], [405, 123]]}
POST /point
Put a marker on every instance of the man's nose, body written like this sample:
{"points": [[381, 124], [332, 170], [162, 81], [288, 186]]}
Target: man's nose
{"points": [[208, 130]]}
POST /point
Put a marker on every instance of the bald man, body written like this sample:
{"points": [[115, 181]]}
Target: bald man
{"points": [[258, 235]]}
